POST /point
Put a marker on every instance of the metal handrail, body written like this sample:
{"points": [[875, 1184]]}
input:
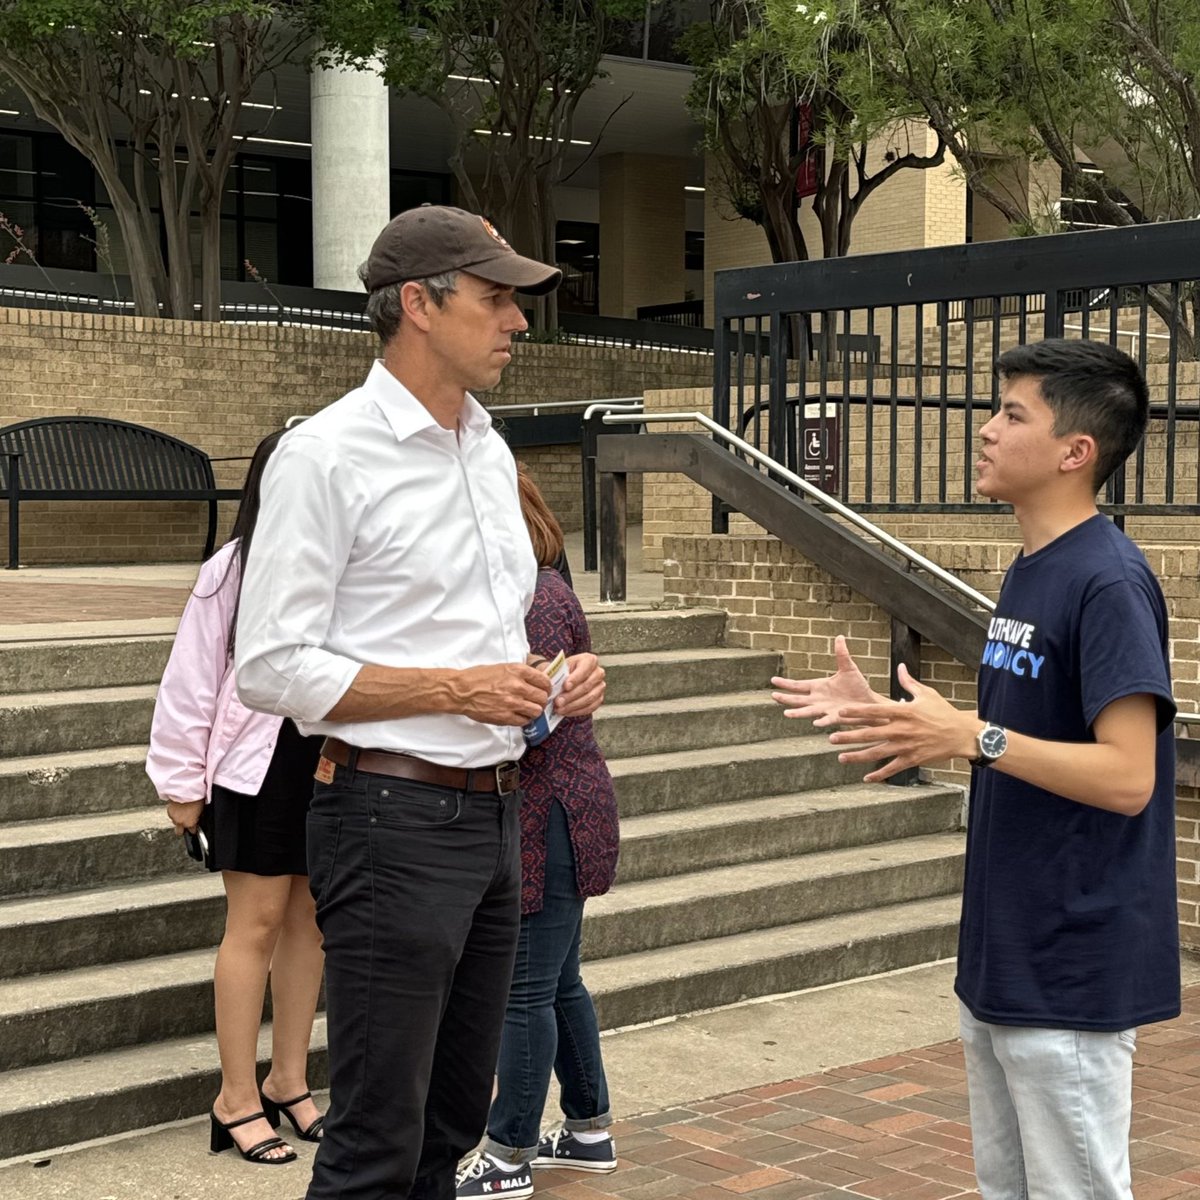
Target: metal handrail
{"points": [[534, 408], [815, 493], [632, 404], [860, 522]]}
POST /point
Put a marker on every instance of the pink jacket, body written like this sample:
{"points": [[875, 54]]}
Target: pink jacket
{"points": [[202, 734]]}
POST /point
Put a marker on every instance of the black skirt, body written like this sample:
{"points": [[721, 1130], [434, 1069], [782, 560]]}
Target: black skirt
{"points": [[264, 834]]}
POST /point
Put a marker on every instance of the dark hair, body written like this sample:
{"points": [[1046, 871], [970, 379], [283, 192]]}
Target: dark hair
{"points": [[246, 520], [1090, 387], [385, 305]]}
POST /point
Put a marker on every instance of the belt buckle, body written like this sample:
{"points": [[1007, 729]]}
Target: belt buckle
{"points": [[507, 778]]}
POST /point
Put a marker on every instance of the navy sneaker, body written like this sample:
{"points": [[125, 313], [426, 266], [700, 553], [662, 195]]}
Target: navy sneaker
{"points": [[561, 1148], [480, 1176]]}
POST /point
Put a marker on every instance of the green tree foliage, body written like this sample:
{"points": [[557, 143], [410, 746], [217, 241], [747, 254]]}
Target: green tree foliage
{"points": [[1079, 84], [168, 79], [757, 66], [1110, 81]]}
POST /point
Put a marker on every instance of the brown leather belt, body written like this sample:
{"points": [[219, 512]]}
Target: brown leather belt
{"points": [[498, 780]]}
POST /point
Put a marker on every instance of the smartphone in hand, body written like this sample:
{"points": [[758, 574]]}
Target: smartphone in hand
{"points": [[196, 845]]}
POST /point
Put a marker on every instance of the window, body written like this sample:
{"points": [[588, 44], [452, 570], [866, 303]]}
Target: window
{"points": [[577, 255], [44, 188]]}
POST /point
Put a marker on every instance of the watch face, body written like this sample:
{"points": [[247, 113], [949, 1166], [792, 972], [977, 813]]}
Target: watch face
{"points": [[993, 741]]}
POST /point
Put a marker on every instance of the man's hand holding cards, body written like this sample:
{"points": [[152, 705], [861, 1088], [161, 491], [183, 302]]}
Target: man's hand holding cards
{"points": [[539, 729]]}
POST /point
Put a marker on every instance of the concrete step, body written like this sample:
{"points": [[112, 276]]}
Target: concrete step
{"points": [[79, 663], [68, 854], [123, 922], [57, 1104], [650, 630], [82, 663], [65, 1102], [62, 721], [53, 722], [792, 761], [666, 674], [688, 723], [74, 783], [745, 831], [138, 919], [723, 901], [678, 979], [96, 1008], [92, 1010]]}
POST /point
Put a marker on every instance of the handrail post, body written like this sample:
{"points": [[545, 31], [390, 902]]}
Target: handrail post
{"points": [[14, 501], [587, 449], [906, 649], [612, 535]]}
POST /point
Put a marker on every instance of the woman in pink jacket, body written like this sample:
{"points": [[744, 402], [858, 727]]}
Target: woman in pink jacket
{"points": [[244, 779]]}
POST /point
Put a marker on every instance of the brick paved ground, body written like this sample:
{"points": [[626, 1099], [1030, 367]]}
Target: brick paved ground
{"points": [[893, 1129], [36, 601]]}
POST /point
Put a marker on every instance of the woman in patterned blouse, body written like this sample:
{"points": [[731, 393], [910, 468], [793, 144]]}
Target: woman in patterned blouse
{"points": [[569, 845]]}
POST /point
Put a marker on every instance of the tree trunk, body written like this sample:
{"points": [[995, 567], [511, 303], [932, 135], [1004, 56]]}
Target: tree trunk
{"points": [[210, 256], [781, 226], [142, 273]]}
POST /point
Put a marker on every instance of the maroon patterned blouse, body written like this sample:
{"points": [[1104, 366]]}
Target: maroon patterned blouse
{"points": [[567, 766]]}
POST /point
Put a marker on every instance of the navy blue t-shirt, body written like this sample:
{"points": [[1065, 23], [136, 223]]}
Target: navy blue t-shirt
{"points": [[1069, 914]]}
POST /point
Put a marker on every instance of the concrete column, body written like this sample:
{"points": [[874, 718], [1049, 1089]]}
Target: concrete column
{"points": [[350, 172], [642, 225]]}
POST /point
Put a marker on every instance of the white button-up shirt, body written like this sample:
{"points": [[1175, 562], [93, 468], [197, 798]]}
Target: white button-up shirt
{"points": [[385, 539]]}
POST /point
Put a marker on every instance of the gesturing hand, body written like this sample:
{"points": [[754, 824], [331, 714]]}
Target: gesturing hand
{"points": [[824, 700], [926, 729], [502, 694]]}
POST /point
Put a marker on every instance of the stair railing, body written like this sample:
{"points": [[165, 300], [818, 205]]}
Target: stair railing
{"points": [[905, 641], [913, 557]]}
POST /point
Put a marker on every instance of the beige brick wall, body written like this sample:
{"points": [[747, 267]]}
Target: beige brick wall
{"points": [[557, 471], [223, 387], [642, 222], [778, 600]]}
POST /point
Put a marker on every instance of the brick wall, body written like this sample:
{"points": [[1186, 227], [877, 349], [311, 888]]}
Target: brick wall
{"points": [[223, 387], [778, 600], [557, 472], [642, 215]]}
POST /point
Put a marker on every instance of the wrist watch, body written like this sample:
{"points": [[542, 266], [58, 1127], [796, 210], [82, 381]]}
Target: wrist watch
{"points": [[992, 742]]}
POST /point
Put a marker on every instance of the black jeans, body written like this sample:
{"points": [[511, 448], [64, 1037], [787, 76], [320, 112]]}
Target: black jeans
{"points": [[418, 898]]}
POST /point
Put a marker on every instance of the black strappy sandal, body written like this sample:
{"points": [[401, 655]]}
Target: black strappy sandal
{"points": [[222, 1139], [275, 1108]]}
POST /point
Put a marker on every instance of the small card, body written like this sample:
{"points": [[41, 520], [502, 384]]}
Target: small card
{"points": [[540, 728], [324, 771]]}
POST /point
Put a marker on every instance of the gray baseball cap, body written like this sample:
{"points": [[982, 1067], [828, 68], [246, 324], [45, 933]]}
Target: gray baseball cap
{"points": [[435, 238]]}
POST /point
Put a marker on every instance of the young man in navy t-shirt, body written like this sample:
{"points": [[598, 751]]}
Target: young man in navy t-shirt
{"points": [[1069, 934]]}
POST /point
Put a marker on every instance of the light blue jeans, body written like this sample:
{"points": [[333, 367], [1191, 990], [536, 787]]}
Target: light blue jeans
{"points": [[1050, 1111]]}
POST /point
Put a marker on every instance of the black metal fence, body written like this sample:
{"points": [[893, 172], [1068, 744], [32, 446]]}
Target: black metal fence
{"points": [[686, 312], [23, 286], [871, 376]]}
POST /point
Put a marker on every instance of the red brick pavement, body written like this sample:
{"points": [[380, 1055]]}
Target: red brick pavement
{"points": [[893, 1129], [25, 601]]}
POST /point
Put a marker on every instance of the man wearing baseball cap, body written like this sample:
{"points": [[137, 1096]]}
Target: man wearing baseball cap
{"points": [[383, 608]]}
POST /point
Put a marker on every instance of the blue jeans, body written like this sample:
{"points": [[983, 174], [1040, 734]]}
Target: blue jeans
{"points": [[550, 1022], [1050, 1111]]}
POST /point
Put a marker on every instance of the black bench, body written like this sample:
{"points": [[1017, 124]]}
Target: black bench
{"points": [[94, 458]]}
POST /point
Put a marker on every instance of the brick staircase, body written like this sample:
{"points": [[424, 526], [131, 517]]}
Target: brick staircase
{"points": [[752, 864]]}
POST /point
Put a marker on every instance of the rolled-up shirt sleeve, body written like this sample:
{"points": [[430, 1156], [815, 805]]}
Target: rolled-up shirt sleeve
{"points": [[310, 506]]}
